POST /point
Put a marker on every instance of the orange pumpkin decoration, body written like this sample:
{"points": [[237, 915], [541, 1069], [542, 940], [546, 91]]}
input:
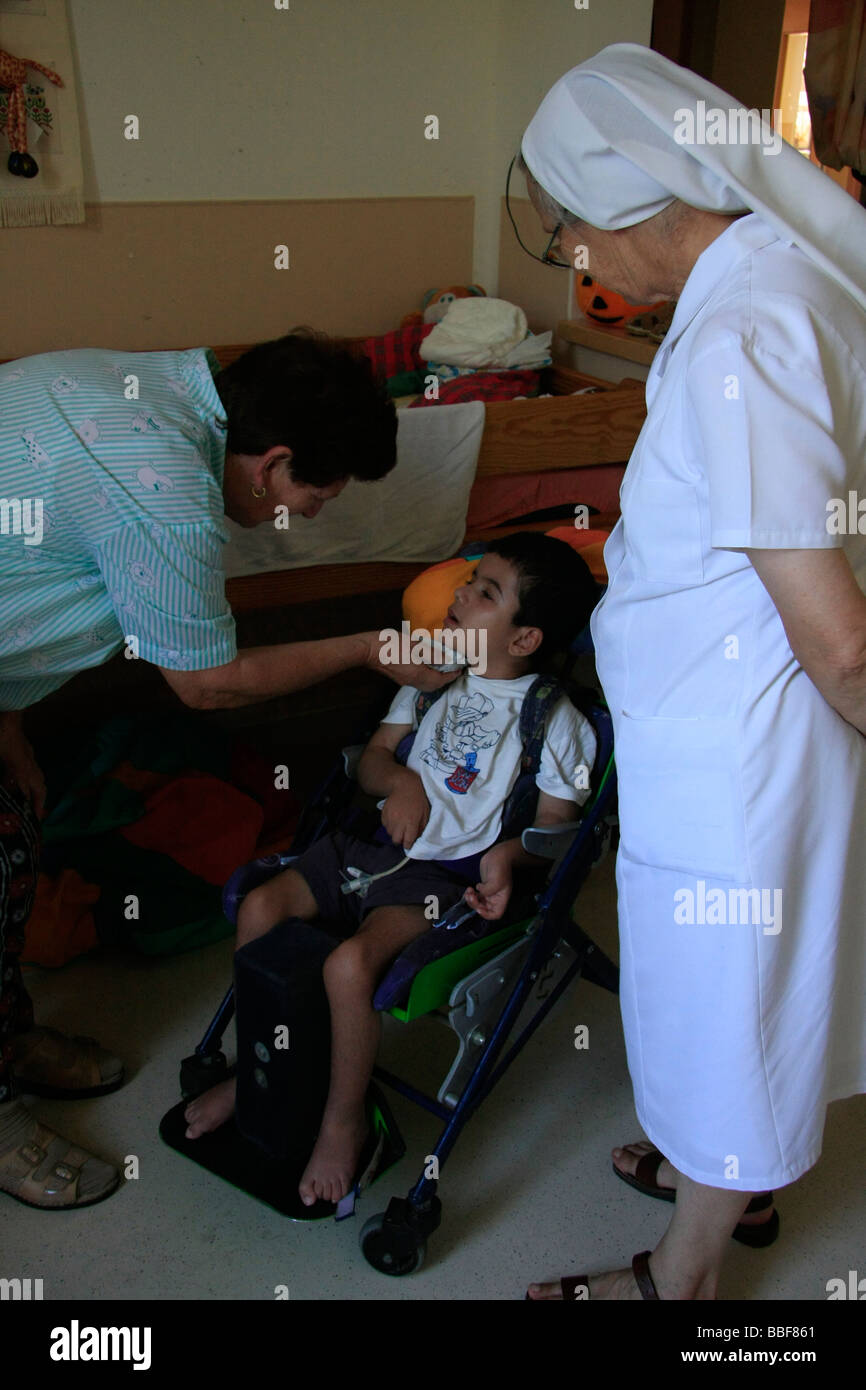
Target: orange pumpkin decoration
{"points": [[606, 306]]}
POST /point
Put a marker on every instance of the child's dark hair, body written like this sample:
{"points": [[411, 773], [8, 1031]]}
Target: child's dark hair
{"points": [[556, 591], [317, 398]]}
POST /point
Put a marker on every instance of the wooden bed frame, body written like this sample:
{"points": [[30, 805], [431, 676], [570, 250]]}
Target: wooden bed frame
{"points": [[528, 436]]}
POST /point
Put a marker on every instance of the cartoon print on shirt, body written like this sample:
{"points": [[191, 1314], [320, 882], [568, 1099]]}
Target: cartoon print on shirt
{"points": [[35, 452], [141, 573], [152, 481], [88, 431], [62, 385], [141, 422], [461, 778], [457, 740], [21, 633]]}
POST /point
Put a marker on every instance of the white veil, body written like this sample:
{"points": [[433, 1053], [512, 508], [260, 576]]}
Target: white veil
{"points": [[604, 144]]}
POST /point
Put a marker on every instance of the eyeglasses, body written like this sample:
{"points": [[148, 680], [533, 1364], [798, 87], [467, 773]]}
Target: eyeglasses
{"points": [[549, 258]]}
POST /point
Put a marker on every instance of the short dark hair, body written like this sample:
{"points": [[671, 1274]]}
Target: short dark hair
{"points": [[316, 397], [555, 588]]}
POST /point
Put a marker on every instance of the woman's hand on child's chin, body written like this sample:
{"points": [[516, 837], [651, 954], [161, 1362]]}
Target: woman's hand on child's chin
{"points": [[417, 673]]}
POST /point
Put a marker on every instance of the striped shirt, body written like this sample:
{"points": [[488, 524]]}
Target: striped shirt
{"points": [[111, 516]]}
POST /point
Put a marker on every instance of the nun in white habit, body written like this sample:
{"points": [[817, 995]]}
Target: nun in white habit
{"points": [[731, 643]]}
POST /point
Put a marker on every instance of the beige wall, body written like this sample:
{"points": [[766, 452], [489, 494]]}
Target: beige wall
{"points": [[255, 120], [152, 275]]}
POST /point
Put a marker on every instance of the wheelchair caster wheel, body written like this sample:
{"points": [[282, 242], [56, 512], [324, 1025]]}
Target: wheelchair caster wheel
{"points": [[391, 1250], [201, 1071]]}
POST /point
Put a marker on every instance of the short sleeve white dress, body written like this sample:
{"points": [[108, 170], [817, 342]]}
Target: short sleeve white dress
{"points": [[741, 872]]}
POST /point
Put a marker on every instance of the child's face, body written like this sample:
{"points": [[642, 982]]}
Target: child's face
{"points": [[487, 602]]}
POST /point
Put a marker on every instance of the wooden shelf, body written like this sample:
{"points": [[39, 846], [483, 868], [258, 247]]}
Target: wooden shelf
{"points": [[614, 340]]}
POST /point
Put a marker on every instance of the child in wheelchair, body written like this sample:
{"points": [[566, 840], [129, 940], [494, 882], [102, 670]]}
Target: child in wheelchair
{"points": [[442, 819]]}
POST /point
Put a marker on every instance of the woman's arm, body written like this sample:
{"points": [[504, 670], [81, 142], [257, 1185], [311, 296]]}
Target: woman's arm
{"points": [[262, 673], [823, 611]]}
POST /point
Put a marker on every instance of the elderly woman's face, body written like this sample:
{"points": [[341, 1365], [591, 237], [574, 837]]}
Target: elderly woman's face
{"points": [[630, 261]]}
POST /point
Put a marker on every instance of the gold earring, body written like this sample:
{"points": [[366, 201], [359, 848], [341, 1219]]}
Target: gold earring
{"points": [[258, 492]]}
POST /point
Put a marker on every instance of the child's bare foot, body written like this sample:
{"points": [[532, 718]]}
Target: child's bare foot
{"points": [[211, 1110], [329, 1173]]}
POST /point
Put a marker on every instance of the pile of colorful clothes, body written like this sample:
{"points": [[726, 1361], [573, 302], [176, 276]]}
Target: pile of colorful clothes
{"points": [[147, 819]]}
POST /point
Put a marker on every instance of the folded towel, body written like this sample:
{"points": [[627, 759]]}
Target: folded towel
{"points": [[476, 333]]}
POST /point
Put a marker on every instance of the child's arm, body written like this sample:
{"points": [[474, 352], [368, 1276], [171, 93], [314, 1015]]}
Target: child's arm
{"points": [[490, 897], [406, 810]]}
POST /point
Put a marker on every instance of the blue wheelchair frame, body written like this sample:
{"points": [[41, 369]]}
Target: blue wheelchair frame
{"points": [[394, 1241]]}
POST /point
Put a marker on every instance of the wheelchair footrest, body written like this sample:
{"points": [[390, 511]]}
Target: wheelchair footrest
{"points": [[237, 1160]]}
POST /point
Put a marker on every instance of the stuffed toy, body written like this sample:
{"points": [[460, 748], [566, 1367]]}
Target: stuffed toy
{"points": [[436, 303], [13, 75], [605, 306]]}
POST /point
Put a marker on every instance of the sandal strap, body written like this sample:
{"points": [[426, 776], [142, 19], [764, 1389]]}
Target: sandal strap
{"points": [[648, 1167], [759, 1203], [641, 1270], [45, 1164], [56, 1060]]}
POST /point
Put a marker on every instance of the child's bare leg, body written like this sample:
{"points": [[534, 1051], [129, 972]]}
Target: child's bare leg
{"points": [[351, 974], [284, 895]]}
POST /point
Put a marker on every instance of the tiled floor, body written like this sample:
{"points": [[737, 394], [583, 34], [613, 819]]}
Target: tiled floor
{"points": [[528, 1193]]}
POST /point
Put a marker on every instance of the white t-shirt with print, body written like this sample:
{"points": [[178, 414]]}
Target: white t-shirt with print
{"points": [[467, 753]]}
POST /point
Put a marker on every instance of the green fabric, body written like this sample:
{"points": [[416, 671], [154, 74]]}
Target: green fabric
{"points": [[88, 808], [176, 910], [405, 384]]}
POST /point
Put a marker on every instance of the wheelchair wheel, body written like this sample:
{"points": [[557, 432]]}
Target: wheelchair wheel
{"points": [[387, 1251]]}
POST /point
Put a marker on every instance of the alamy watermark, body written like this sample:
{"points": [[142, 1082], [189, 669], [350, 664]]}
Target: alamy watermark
{"points": [[716, 907], [77, 1343], [846, 518], [443, 648], [22, 516], [738, 125]]}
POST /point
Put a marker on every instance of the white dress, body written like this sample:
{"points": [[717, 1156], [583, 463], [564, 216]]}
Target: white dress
{"points": [[744, 1012]]}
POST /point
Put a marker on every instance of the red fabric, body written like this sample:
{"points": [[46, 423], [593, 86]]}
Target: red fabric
{"points": [[203, 824], [61, 926], [397, 352], [497, 500], [252, 773], [484, 386]]}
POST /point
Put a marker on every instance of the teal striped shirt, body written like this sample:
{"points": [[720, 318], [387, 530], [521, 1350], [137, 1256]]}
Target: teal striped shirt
{"points": [[111, 516]]}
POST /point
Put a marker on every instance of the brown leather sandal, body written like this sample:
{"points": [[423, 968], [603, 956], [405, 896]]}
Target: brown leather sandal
{"points": [[54, 1174], [575, 1287], [645, 1180], [49, 1064]]}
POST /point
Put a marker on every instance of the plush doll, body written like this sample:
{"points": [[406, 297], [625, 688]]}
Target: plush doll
{"points": [[436, 303], [13, 75], [605, 306]]}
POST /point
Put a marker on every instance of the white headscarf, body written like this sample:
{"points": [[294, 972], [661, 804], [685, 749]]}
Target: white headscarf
{"points": [[602, 143]]}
